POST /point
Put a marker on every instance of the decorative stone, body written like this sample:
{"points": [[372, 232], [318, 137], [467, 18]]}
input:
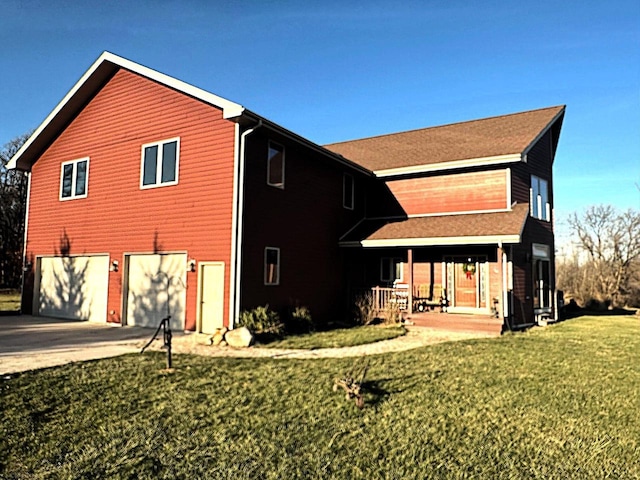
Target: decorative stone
{"points": [[223, 343], [218, 337], [239, 337]]}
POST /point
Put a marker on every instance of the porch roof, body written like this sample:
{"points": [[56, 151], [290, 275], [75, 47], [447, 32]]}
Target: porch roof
{"points": [[462, 229]]}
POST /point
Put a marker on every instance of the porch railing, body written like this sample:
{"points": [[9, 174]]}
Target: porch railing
{"points": [[398, 296], [383, 297]]}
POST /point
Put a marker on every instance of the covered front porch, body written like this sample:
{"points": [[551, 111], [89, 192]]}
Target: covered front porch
{"points": [[456, 280], [449, 265]]}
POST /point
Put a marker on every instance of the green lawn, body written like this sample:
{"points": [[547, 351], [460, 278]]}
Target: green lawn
{"points": [[9, 301], [560, 402], [341, 337]]}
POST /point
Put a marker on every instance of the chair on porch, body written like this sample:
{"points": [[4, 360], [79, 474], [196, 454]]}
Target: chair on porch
{"points": [[400, 295]]}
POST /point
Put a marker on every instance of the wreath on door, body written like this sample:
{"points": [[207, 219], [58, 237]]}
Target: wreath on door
{"points": [[469, 269]]}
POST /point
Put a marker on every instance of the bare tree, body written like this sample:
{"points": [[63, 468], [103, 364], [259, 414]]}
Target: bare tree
{"points": [[610, 244], [13, 192]]}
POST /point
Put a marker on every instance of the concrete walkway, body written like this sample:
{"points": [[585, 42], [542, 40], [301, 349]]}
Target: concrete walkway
{"points": [[416, 337], [29, 343]]}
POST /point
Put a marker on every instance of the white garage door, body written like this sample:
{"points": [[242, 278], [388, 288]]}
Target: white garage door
{"points": [[156, 286], [74, 287]]}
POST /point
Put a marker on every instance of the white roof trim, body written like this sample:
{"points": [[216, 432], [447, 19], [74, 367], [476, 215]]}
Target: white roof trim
{"points": [[470, 162], [542, 132], [462, 212], [229, 109], [434, 241]]}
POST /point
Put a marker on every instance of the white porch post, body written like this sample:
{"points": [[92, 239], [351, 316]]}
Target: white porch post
{"points": [[410, 280], [502, 296]]}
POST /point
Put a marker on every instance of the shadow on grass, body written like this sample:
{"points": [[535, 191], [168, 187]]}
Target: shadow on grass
{"points": [[379, 391]]}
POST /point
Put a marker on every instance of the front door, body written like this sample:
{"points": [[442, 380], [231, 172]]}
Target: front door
{"points": [[467, 283], [211, 296], [466, 288]]}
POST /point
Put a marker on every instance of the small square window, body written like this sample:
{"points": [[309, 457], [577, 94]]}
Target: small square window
{"points": [[275, 165], [74, 177], [271, 266], [347, 191], [159, 164]]}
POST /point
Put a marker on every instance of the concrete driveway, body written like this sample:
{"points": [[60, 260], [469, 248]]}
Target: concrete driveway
{"points": [[29, 343]]}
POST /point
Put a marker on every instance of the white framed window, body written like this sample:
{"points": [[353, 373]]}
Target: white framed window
{"points": [[74, 179], [390, 269], [159, 163], [540, 206], [347, 191], [272, 266], [275, 165]]}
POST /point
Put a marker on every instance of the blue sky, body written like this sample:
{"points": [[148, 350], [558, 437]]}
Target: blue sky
{"points": [[334, 71]]}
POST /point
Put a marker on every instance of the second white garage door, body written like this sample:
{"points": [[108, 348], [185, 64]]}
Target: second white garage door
{"points": [[156, 286]]}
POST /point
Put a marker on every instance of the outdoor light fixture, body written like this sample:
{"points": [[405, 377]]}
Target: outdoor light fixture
{"points": [[114, 266], [191, 266]]}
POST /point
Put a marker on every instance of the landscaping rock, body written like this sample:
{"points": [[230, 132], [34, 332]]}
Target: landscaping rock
{"points": [[239, 337], [218, 337]]}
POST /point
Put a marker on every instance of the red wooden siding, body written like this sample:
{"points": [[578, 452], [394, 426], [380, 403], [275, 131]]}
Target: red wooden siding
{"points": [[461, 192], [427, 280], [117, 217]]}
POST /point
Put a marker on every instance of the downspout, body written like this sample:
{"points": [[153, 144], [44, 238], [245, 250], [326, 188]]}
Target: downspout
{"points": [[24, 241], [239, 225], [506, 314]]}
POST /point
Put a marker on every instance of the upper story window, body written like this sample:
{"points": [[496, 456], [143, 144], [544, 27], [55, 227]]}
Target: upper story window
{"points": [[275, 165], [159, 164], [271, 266], [347, 191], [540, 207], [74, 177]]}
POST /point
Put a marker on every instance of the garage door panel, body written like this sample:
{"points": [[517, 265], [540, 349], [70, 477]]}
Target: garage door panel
{"points": [[74, 287], [156, 287]]}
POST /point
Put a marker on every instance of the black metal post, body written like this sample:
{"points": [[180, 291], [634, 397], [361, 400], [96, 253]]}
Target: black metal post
{"points": [[167, 339]]}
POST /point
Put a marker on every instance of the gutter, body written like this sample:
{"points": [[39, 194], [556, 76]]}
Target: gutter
{"points": [[236, 268], [24, 240], [304, 141]]}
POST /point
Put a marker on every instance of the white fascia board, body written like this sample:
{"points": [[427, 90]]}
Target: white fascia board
{"points": [[541, 133], [434, 167], [12, 163], [463, 212], [437, 241], [230, 109]]}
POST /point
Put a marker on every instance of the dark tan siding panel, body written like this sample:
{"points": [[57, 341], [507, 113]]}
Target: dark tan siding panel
{"points": [[117, 217], [462, 192], [305, 220]]}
